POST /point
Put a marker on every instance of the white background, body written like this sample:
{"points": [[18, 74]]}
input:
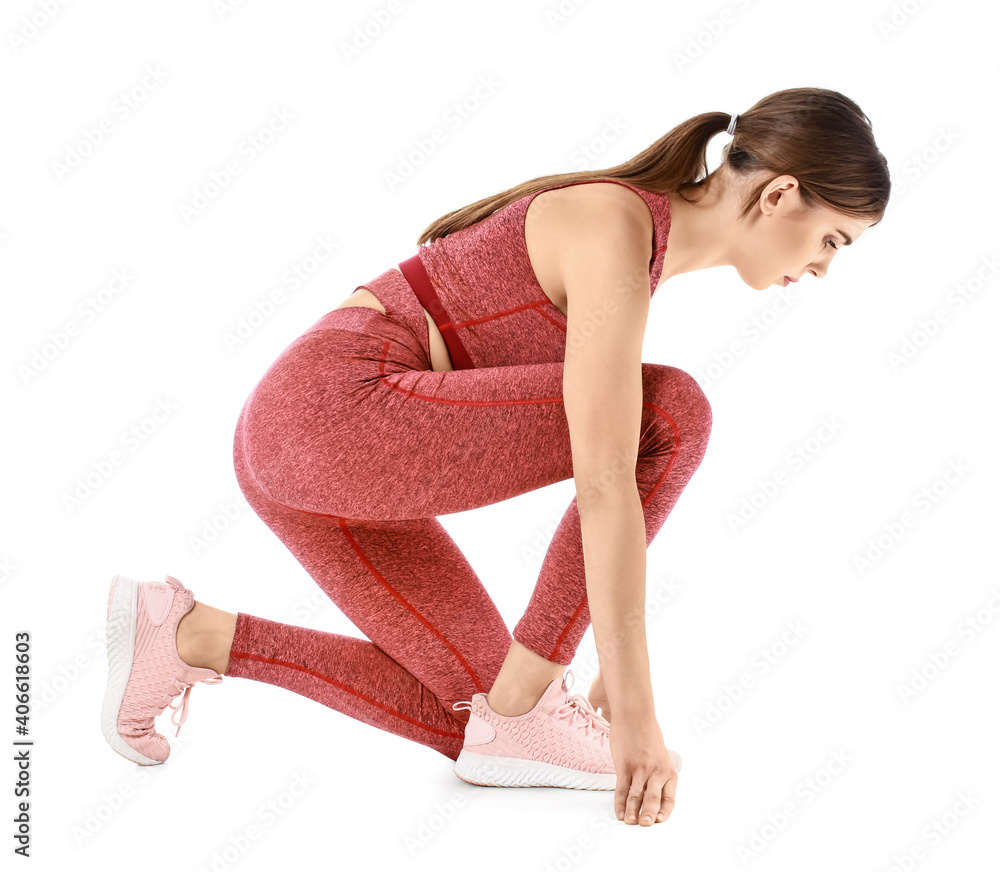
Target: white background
{"points": [[563, 73]]}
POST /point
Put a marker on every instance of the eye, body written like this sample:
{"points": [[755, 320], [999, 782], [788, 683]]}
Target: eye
{"points": [[830, 243]]}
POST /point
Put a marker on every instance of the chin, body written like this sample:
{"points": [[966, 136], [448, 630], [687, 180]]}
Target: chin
{"points": [[756, 282]]}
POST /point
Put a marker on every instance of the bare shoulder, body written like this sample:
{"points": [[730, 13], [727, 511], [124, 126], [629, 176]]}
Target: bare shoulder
{"points": [[590, 201], [561, 220]]}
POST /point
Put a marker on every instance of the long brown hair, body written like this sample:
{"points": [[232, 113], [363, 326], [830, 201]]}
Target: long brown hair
{"points": [[819, 136]]}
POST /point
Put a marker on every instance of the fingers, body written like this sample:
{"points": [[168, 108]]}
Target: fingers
{"points": [[622, 785], [667, 799], [645, 801]]}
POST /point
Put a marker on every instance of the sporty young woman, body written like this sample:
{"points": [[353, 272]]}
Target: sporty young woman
{"points": [[502, 357]]}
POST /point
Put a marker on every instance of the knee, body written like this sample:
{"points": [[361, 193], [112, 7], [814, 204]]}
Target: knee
{"points": [[697, 411], [683, 413]]}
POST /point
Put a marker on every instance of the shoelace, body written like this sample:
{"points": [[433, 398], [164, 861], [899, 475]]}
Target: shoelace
{"points": [[176, 687], [578, 707], [575, 708]]}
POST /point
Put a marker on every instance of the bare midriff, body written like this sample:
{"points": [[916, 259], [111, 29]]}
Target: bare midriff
{"points": [[440, 359]]}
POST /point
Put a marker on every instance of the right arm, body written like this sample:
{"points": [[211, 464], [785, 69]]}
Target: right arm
{"points": [[604, 267], [606, 278]]}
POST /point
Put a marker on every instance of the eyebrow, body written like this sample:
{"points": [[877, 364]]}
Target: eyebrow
{"points": [[847, 238]]}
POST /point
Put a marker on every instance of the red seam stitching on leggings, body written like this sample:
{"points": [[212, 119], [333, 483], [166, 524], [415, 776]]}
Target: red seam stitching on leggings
{"points": [[354, 544], [562, 635], [673, 454], [385, 378], [649, 496], [358, 694]]}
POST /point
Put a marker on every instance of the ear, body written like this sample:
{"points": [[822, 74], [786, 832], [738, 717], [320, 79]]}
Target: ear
{"points": [[781, 193]]}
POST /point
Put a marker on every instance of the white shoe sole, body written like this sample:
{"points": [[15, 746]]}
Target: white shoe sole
{"points": [[490, 771], [121, 651]]}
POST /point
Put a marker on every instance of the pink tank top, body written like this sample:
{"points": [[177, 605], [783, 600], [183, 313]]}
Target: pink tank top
{"points": [[489, 291]]}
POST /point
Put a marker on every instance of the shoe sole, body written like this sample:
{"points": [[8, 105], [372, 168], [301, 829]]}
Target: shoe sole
{"points": [[491, 771], [122, 617]]}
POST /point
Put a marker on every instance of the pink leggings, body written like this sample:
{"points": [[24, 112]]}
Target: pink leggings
{"points": [[349, 447]]}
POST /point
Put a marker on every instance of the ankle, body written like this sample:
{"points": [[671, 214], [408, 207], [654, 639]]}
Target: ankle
{"points": [[523, 678], [511, 706], [205, 637], [509, 702]]}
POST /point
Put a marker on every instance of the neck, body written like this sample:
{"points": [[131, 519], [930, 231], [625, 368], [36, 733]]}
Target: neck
{"points": [[701, 233]]}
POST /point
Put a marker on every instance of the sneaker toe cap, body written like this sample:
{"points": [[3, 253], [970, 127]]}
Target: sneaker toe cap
{"points": [[151, 745]]}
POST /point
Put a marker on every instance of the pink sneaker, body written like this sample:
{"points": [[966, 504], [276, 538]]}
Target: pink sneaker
{"points": [[561, 742], [144, 669]]}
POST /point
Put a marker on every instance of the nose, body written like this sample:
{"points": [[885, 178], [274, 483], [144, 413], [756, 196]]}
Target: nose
{"points": [[819, 268]]}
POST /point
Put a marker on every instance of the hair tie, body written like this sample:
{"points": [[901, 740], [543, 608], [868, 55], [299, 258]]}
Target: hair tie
{"points": [[732, 125]]}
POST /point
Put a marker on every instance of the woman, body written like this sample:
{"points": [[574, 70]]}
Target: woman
{"points": [[503, 357]]}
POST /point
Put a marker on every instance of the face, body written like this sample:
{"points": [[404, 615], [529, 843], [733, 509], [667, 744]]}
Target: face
{"points": [[781, 237]]}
